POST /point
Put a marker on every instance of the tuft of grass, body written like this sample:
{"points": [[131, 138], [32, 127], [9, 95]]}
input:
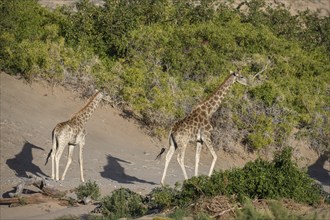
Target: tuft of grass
{"points": [[179, 214], [273, 211], [202, 216], [68, 217]]}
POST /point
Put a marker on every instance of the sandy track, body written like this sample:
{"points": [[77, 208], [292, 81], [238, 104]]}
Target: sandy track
{"points": [[117, 152]]}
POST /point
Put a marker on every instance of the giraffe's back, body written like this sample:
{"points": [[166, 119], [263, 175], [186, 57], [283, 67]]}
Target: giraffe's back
{"points": [[191, 124], [68, 132]]}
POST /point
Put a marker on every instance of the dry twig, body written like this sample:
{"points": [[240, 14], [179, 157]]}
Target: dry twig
{"points": [[37, 181]]}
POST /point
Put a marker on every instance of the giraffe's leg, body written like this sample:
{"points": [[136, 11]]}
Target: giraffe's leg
{"points": [[81, 149], [53, 157], [53, 165], [198, 151], [209, 145], [61, 146], [167, 161], [180, 159], [70, 151], [198, 154]]}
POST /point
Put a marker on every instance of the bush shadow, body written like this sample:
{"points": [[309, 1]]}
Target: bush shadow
{"points": [[318, 172], [113, 170]]}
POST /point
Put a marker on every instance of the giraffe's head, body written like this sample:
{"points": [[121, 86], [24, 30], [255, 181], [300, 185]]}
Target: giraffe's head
{"points": [[98, 95], [104, 95], [240, 78]]}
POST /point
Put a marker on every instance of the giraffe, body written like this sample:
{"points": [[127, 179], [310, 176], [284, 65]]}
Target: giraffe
{"points": [[197, 127], [71, 133]]}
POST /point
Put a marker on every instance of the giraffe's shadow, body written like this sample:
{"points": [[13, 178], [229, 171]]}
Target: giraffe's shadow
{"points": [[319, 172], [23, 164], [114, 171]]}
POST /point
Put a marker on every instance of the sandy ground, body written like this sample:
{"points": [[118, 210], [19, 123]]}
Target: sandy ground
{"points": [[117, 153]]}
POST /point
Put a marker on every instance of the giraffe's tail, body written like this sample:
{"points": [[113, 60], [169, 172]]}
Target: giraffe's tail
{"points": [[160, 154], [54, 146], [171, 142], [48, 156]]}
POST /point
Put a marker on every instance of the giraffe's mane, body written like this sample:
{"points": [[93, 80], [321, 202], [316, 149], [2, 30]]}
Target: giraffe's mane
{"points": [[86, 105], [216, 90]]}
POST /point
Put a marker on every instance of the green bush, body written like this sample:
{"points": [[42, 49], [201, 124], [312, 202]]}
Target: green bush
{"points": [[90, 189], [266, 93], [259, 179], [24, 19], [123, 203], [162, 197], [269, 180]]}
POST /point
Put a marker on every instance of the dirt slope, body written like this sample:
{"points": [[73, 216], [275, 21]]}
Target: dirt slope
{"points": [[117, 151]]}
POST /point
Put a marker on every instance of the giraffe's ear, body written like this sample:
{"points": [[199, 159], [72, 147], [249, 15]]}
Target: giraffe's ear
{"points": [[103, 89], [233, 73]]}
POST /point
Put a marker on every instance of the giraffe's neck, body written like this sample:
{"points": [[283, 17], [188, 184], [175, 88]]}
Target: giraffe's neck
{"points": [[86, 112], [211, 105]]}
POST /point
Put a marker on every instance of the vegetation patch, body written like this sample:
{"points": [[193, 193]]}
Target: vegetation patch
{"points": [[225, 191], [123, 203], [260, 190], [269, 210], [158, 59], [261, 179], [88, 189]]}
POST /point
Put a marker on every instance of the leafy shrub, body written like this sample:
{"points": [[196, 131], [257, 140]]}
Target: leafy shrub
{"points": [[195, 188], [260, 179], [293, 183], [123, 203], [280, 178], [265, 92], [23, 19], [88, 189], [162, 197]]}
